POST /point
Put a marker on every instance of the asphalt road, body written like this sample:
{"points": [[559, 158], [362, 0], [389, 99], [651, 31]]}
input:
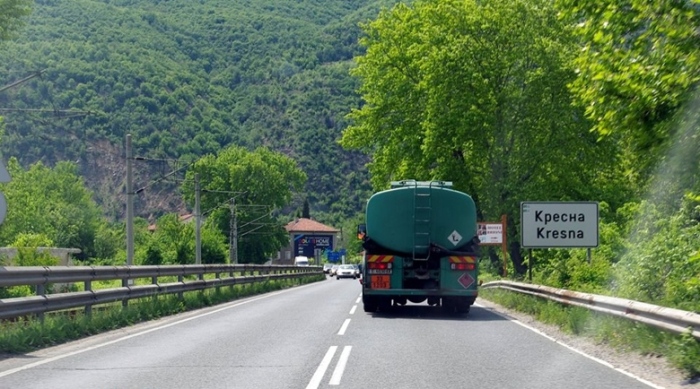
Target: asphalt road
{"points": [[314, 336]]}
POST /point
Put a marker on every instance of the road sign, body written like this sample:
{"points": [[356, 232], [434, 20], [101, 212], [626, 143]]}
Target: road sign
{"points": [[546, 224], [490, 233], [333, 256]]}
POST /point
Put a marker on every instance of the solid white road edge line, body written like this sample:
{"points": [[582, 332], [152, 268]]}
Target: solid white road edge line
{"points": [[340, 367], [344, 327], [352, 310], [56, 358], [321, 370], [602, 362]]}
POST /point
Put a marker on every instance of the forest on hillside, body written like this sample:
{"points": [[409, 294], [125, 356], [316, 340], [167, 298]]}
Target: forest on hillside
{"points": [[186, 79]]}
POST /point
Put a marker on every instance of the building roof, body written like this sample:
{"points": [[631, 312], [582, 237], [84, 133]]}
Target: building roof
{"points": [[308, 225]]}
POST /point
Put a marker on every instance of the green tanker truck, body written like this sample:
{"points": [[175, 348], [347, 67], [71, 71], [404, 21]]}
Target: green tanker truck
{"points": [[420, 241]]}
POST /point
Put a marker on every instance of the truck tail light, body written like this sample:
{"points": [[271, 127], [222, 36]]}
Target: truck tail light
{"points": [[379, 265], [462, 263], [462, 266]]}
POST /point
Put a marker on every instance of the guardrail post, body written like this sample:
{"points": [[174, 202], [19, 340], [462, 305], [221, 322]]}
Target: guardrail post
{"points": [[125, 283], [88, 307], [179, 279], [40, 291]]}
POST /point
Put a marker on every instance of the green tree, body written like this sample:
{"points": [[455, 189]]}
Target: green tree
{"points": [[476, 93], [12, 13], [255, 184], [175, 239], [305, 211], [53, 202], [638, 63], [27, 253]]}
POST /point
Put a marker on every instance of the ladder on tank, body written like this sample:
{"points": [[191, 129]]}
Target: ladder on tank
{"points": [[422, 212]]}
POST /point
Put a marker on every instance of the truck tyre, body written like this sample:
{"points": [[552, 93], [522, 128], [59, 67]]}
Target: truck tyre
{"points": [[462, 306], [369, 304], [448, 305]]}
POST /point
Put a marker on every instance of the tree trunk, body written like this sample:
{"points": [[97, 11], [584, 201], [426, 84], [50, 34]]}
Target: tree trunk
{"points": [[517, 258]]}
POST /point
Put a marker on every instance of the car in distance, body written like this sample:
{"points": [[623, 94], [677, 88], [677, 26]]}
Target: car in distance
{"points": [[334, 268], [301, 261], [345, 271], [327, 267]]}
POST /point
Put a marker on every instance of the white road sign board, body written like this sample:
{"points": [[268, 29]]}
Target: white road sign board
{"points": [[490, 233], [546, 224]]}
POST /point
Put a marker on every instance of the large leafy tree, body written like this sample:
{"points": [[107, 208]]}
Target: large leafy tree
{"points": [[476, 93], [53, 202], [638, 64], [252, 184]]}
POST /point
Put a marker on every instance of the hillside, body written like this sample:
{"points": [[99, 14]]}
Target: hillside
{"points": [[185, 79]]}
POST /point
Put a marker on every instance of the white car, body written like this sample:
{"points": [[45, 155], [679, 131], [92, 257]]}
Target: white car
{"points": [[301, 261], [345, 271]]}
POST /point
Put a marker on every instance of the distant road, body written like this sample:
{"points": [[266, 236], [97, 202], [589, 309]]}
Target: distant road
{"points": [[314, 336]]}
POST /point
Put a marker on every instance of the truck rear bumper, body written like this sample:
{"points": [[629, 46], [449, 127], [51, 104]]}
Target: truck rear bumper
{"points": [[420, 292]]}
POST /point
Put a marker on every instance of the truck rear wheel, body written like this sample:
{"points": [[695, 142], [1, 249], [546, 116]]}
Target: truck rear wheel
{"points": [[369, 304], [459, 305], [462, 306]]}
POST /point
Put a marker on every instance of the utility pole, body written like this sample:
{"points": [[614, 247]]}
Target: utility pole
{"points": [[129, 204], [198, 222], [233, 236]]}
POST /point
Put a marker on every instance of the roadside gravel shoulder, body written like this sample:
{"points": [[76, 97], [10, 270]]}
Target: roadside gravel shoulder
{"points": [[656, 370]]}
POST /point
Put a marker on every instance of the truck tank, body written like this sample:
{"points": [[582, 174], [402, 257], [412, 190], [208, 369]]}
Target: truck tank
{"points": [[414, 217], [420, 245]]}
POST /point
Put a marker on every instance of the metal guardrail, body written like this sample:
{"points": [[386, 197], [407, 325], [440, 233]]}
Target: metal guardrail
{"points": [[42, 277], [669, 319]]}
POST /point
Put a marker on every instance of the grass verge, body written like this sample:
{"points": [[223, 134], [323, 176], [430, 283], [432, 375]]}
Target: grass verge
{"points": [[683, 351], [31, 334]]}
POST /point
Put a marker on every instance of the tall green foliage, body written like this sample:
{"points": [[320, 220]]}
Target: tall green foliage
{"points": [[188, 78], [12, 13], [53, 202], [173, 242], [476, 93], [252, 185], [661, 264], [638, 63]]}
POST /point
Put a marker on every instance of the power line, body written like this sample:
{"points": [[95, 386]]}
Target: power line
{"points": [[223, 191], [221, 205], [35, 74], [73, 113], [162, 178], [147, 159]]}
